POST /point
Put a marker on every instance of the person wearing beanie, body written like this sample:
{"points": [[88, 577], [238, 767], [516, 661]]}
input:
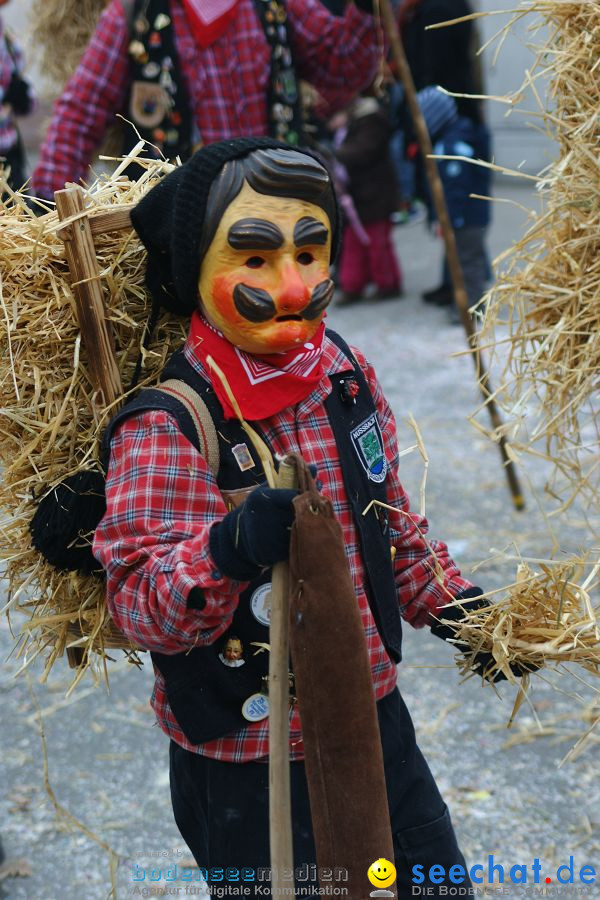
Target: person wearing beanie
{"points": [[459, 137], [16, 99], [240, 239], [183, 73]]}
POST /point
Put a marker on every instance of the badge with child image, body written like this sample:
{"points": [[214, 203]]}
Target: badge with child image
{"points": [[381, 874]]}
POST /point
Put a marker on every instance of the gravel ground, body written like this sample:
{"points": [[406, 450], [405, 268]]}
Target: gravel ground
{"points": [[107, 760]]}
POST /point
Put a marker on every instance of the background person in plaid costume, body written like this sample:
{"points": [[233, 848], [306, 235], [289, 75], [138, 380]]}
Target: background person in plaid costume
{"points": [[210, 63], [240, 238]]}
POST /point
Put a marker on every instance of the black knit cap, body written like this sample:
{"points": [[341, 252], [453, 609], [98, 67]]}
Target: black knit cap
{"points": [[170, 218]]}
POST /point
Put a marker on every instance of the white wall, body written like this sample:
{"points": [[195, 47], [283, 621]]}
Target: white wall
{"points": [[516, 143]]}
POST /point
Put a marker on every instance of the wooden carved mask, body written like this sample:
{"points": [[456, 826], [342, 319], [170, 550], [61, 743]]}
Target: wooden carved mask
{"points": [[264, 280]]}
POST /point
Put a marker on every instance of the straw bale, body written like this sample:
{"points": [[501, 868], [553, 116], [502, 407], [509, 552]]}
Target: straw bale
{"points": [[50, 418], [542, 317], [69, 24], [64, 24]]}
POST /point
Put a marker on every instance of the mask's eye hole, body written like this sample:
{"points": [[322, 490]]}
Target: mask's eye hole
{"points": [[305, 258], [255, 262]]}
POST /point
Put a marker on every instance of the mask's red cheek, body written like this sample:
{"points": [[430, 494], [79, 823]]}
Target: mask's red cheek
{"points": [[221, 298]]}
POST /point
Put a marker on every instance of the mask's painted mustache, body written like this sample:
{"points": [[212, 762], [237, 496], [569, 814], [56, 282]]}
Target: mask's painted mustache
{"points": [[257, 305], [253, 304], [321, 298]]}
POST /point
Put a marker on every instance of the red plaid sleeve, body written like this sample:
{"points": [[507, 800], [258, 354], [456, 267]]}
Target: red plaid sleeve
{"points": [[426, 576], [339, 55], [153, 540], [92, 97]]}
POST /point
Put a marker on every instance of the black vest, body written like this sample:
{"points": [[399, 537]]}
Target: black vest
{"points": [[204, 692], [159, 104]]}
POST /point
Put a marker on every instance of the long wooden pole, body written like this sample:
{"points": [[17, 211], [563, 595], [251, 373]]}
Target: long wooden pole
{"points": [[280, 808], [456, 274]]}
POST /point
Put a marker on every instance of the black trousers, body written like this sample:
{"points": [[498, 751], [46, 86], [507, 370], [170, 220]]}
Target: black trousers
{"points": [[222, 809]]}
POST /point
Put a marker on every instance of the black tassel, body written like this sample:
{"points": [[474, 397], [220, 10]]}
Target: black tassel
{"points": [[64, 523]]}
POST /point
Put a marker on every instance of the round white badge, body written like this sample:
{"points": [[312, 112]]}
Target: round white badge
{"points": [[260, 604], [256, 707]]}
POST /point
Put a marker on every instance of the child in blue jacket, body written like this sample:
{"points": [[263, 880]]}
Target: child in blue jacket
{"points": [[458, 136]]}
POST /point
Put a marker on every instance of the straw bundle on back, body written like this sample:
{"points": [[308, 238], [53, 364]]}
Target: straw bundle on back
{"points": [[50, 418], [551, 284]]}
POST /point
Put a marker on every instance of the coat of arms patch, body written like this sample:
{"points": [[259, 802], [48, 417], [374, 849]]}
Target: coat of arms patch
{"points": [[368, 443]]}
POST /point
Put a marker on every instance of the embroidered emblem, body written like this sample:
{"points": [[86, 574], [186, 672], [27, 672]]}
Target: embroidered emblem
{"points": [[243, 457], [260, 604], [368, 444]]}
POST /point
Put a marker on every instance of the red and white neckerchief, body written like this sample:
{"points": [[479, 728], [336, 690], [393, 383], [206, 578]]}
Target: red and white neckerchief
{"points": [[208, 19], [262, 385]]}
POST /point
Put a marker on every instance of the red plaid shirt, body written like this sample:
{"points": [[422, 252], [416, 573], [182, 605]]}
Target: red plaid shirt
{"points": [[153, 542], [227, 82]]}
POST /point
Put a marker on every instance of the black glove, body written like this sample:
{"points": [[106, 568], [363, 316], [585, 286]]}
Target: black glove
{"points": [[471, 600], [255, 535], [18, 95]]}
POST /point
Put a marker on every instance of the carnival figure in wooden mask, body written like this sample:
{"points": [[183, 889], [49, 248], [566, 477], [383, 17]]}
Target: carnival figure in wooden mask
{"points": [[239, 239]]}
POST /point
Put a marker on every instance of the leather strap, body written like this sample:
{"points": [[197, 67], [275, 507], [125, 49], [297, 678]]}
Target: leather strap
{"points": [[208, 442]]}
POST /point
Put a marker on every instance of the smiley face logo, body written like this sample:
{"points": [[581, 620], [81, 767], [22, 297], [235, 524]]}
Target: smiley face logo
{"points": [[381, 873]]}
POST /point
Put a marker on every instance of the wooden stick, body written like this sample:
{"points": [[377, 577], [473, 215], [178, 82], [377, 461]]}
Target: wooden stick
{"points": [[95, 330], [456, 274], [280, 807], [85, 278]]}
